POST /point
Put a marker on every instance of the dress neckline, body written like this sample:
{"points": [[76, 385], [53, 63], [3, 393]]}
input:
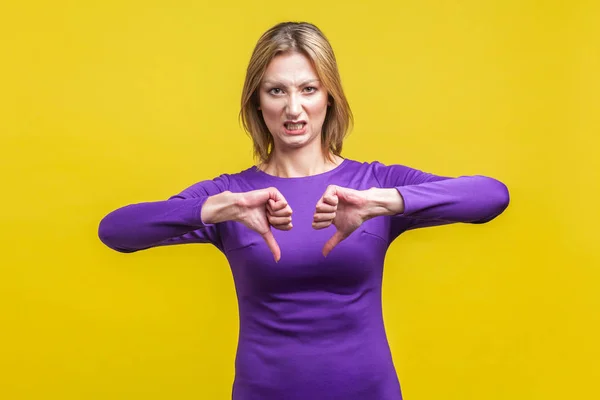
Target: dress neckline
{"points": [[337, 168]]}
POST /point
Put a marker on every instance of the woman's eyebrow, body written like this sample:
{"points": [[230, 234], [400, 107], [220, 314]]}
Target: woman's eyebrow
{"points": [[278, 83]]}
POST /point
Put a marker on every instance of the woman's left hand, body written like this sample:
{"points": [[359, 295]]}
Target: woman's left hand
{"points": [[348, 208]]}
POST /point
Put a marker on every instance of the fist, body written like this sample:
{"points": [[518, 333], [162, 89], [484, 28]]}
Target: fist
{"points": [[279, 213], [262, 209], [344, 208]]}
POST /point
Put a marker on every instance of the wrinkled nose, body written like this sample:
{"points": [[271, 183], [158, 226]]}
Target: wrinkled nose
{"points": [[294, 107]]}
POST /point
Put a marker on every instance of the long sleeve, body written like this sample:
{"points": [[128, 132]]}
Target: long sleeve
{"points": [[431, 200], [176, 220]]}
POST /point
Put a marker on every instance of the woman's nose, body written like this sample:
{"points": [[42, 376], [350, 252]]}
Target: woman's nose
{"points": [[294, 106]]}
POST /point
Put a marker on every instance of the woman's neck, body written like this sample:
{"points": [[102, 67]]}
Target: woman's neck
{"points": [[298, 164]]}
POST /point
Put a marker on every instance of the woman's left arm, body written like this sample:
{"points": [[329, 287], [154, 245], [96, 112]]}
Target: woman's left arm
{"points": [[422, 199]]}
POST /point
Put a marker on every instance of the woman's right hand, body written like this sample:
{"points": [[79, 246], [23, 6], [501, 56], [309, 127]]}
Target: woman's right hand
{"points": [[259, 210]]}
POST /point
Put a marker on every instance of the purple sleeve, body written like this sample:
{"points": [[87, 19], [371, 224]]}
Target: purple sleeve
{"points": [[173, 221], [431, 200]]}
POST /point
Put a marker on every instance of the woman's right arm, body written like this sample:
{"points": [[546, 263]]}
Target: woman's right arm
{"points": [[188, 217]]}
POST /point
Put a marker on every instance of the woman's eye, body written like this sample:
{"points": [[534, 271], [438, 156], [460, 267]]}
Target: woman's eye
{"points": [[309, 89]]}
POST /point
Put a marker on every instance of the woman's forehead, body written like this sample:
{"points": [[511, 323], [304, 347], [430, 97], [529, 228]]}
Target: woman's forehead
{"points": [[290, 69]]}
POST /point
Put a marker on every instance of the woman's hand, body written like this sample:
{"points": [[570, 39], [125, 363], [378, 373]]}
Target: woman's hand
{"points": [[348, 208], [259, 210]]}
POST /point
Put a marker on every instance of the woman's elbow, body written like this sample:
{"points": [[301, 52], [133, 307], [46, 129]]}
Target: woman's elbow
{"points": [[498, 199], [110, 234], [501, 196]]}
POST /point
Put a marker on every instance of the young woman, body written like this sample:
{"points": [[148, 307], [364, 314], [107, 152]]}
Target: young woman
{"points": [[305, 231]]}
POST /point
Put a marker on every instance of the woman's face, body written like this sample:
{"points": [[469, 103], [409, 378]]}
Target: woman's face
{"points": [[293, 102]]}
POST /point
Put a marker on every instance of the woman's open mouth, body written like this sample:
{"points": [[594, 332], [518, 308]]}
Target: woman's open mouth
{"points": [[295, 128]]}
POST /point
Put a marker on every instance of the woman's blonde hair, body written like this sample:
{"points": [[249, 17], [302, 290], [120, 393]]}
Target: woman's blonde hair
{"points": [[306, 39]]}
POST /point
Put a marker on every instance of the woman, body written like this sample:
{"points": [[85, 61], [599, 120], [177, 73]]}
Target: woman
{"points": [[306, 230]]}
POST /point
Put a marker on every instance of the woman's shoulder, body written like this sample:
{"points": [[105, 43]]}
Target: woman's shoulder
{"points": [[386, 174], [244, 178], [376, 167]]}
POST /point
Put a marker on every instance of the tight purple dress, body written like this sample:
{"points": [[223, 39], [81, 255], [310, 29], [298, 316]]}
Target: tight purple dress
{"points": [[311, 328]]}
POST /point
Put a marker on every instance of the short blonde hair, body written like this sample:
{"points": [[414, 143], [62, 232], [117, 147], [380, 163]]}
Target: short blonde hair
{"points": [[306, 39]]}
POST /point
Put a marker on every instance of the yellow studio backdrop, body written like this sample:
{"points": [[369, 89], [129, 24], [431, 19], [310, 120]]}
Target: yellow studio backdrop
{"points": [[110, 103]]}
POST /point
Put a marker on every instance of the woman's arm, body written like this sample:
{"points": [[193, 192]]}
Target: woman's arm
{"points": [[428, 200], [188, 217]]}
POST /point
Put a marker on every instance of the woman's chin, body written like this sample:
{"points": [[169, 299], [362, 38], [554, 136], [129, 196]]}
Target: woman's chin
{"points": [[295, 141]]}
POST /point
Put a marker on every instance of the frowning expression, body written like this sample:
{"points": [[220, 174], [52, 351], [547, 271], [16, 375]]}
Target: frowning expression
{"points": [[293, 101]]}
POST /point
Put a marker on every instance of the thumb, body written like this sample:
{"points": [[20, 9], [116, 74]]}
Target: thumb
{"points": [[272, 244], [332, 242]]}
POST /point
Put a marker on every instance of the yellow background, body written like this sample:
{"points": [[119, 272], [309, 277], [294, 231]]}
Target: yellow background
{"points": [[114, 102]]}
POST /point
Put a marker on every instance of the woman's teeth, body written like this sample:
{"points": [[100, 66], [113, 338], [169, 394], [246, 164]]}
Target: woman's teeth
{"points": [[294, 127]]}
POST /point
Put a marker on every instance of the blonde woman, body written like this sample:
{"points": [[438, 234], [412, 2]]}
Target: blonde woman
{"points": [[305, 230]]}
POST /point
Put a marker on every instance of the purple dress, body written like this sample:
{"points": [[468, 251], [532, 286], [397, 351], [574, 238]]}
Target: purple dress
{"points": [[311, 328]]}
